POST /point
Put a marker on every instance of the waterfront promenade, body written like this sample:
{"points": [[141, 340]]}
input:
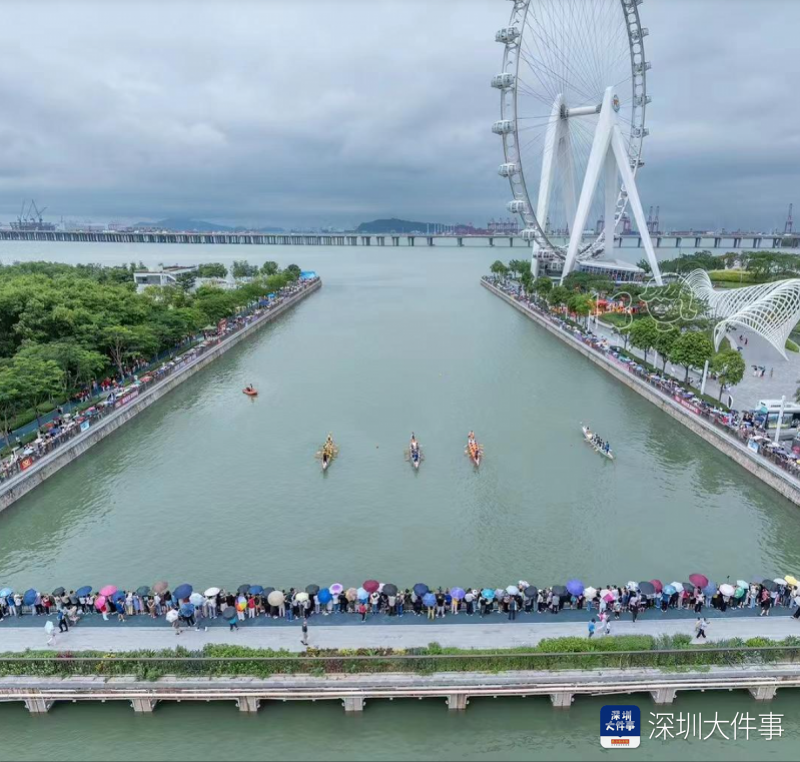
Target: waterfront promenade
{"points": [[348, 633]]}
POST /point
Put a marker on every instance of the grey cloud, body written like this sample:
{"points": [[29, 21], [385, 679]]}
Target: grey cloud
{"points": [[334, 112]]}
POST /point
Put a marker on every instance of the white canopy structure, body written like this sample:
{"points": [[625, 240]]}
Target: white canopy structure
{"points": [[771, 310]]}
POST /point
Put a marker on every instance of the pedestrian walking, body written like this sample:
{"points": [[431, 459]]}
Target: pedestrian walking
{"points": [[700, 628], [63, 625], [304, 629], [592, 627], [50, 631], [512, 609], [362, 609]]}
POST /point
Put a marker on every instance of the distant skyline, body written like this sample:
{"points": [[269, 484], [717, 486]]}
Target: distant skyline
{"points": [[320, 114]]}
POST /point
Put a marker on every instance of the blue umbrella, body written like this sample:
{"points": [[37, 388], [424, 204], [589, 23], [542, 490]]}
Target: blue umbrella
{"points": [[324, 595], [420, 589], [118, 596], [5, 592], [487, 593], [187, 610], [256, 590], [575, 587], [182, 591], [710, 589], [362, 594], [29, 598], [82, 592], [669, 590], [429, 599]]}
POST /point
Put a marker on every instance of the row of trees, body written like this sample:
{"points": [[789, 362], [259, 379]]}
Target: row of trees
{"points": [[62, 326], [762, 265]]}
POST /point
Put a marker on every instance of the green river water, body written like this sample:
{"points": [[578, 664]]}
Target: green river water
{"points": [[210, 487]]}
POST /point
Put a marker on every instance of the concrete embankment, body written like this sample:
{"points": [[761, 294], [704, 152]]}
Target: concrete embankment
{"points": [[769, 473], [457, 688], [15, 488]]}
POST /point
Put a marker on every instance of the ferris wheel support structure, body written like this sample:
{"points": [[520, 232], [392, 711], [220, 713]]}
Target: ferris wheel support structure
{"points": [[609, 155]]}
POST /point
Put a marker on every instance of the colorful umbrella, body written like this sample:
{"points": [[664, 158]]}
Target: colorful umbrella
{"points": [[608, 598], [182, 591], [429, 599], [351, 594], [100, 602], [739, 592], [792, 580], [487, 593], [575, 587], [324, 595], [336, 588], [700, 580], [108, 590], [275, 598], [656, 583], [371, 585], [457, 593], [740, 583]]}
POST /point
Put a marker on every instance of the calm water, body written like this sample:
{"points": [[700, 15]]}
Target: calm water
{"points": [[211, 487]]}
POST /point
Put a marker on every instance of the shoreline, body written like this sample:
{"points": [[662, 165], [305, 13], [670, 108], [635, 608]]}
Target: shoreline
{"points": [[769, 474], [13, 489]]}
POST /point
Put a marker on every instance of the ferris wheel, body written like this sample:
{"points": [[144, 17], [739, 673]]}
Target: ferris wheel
{"points": [[573, 100]]}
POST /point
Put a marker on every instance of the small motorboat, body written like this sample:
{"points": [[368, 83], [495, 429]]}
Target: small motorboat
{"points": [[250, 391], [473, 449], [592, 439]]}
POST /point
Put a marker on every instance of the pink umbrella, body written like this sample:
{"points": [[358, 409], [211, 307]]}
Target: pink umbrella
{"points": [[336, 588], [100, 602], [608, 597], [108, 591], [371, 585], [698, 580], [656, 583]]}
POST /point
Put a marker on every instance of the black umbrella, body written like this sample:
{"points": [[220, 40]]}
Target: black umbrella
{"points": [[647, 588], [143, 590], [59, 591], [243, 589], [689, 586], [267, 591], [312, 589], [531, 592], [560, 591], [770, 585], [229, 613], [390, 589]]}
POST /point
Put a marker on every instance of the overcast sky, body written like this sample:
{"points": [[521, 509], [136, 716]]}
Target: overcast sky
{"points": [[337, 111]]}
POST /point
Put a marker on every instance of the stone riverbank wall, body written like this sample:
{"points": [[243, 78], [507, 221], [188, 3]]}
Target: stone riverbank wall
{"points": [[457, 688], [15, 488], [769, 473]]}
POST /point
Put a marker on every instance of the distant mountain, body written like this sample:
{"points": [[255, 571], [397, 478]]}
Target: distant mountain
{"points": [[201, 226], [394, 225]]}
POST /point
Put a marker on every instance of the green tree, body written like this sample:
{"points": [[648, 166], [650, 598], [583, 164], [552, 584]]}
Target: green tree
{"points": [[558, 295], [243, 269], [526, 279], [665, 341], [580, 305], [269, 268], [78, 364], [118, 341], [498, 268], [292, 272], [644, 265], [11, 400], [186, 281], [691, 350], [644, 334], [212, 270], [519, 266], [542, 286], [729, 367], [39, 380]]}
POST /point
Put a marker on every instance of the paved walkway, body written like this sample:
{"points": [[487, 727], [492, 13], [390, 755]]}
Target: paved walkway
{"points": [[481, 634]]}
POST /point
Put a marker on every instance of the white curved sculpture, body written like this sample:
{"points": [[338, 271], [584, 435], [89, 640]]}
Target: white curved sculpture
{"points": [[771, 310]]}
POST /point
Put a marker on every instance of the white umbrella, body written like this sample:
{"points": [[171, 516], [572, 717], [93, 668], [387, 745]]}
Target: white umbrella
{"points": [[522, 584], [301, 597], [196, 599], [604, 592], [678, 586], [633, 585], [172, 616], [779, 581], [512, 590], [276, 598], [727, 590], [589, 592], [211, 592]]}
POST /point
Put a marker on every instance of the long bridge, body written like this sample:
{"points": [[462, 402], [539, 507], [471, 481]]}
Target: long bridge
{"points": [[734, 240]]}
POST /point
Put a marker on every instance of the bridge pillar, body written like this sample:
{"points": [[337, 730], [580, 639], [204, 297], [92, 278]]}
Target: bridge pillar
{"points": [[144, 705], [353, 703], [664, 695], [248, 703], [411, 240], [638, 243], [491, 241], [764, 692], [737, 242], [460, 241], [430, 240], [756, 243], [38, 705], [562, 700], [395, 240], [457, 701], [697, 242], [511, 241], [717, 242], [658, 242], [678, 240], [381, 241]]}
